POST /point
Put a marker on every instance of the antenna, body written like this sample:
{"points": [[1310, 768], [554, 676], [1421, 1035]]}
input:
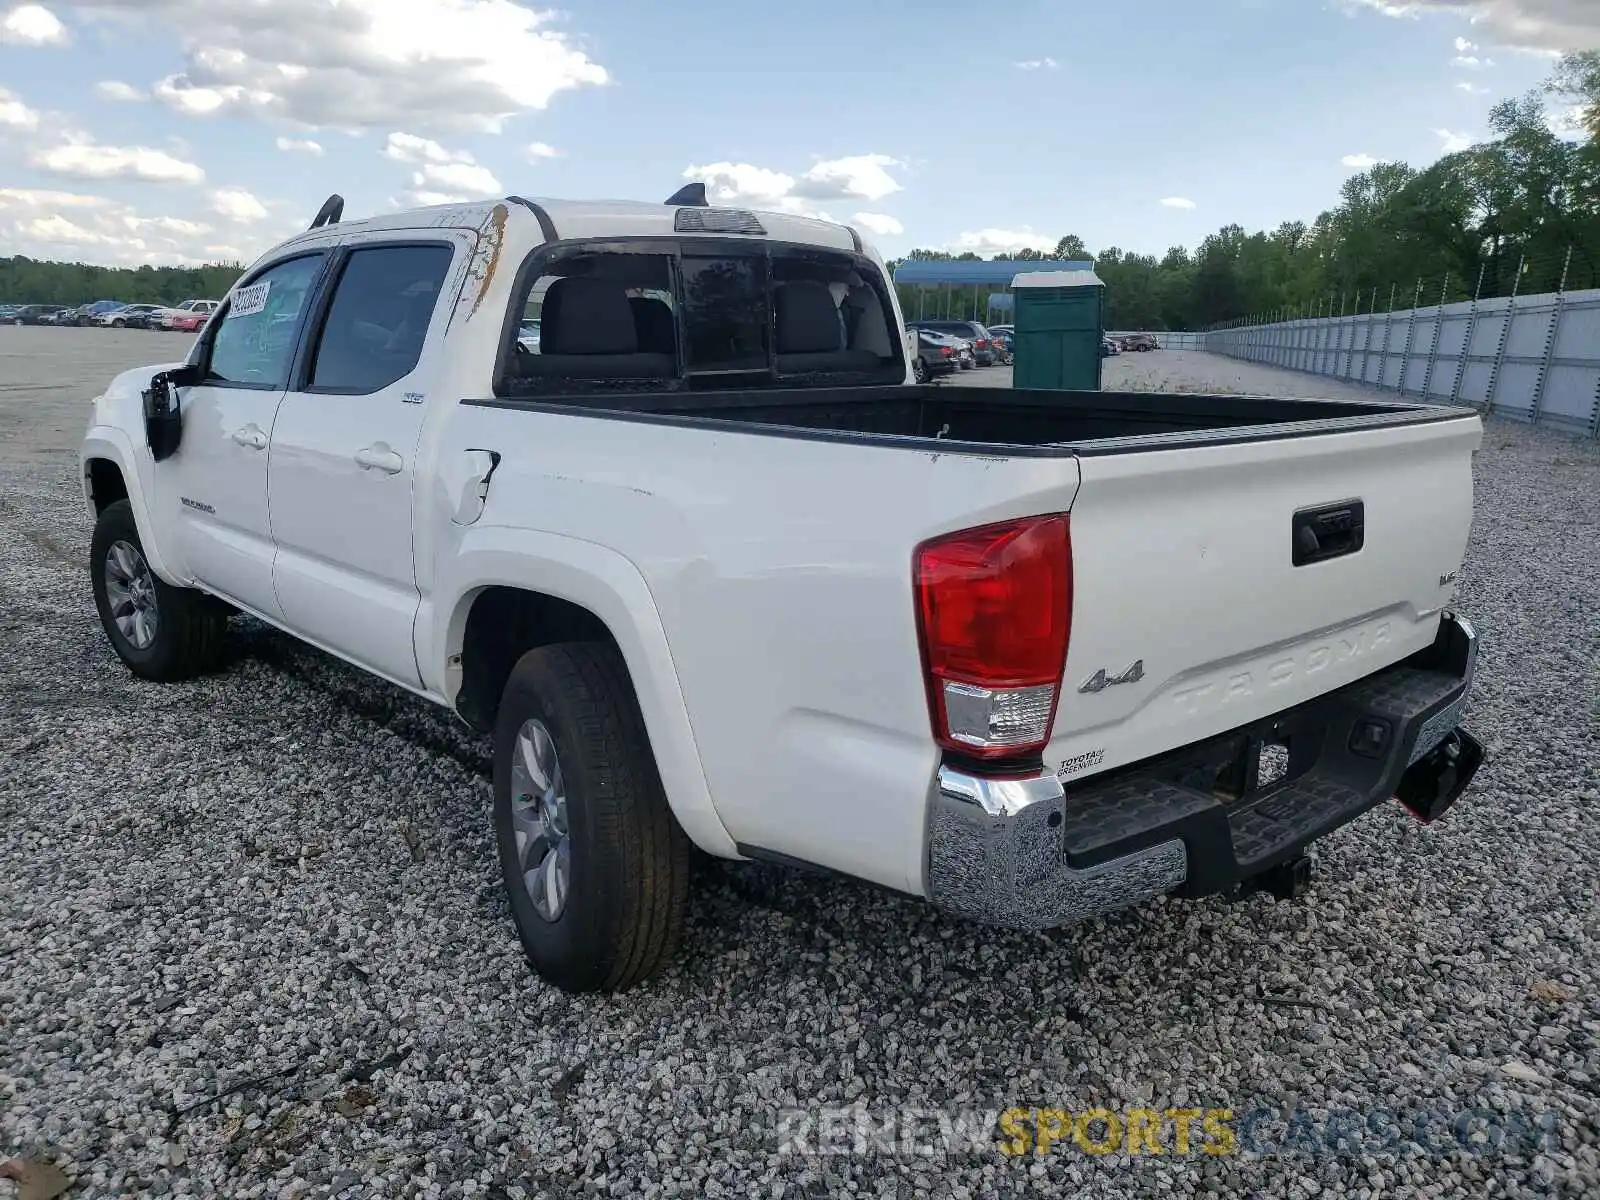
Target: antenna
{"points": [[330, 212], [690, 195]]}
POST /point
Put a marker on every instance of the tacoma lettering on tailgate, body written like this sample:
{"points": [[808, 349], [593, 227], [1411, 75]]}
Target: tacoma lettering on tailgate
{"points": [[1300, 663]]}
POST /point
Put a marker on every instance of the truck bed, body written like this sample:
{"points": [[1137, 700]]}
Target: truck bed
{"points": [[1017, 421]]}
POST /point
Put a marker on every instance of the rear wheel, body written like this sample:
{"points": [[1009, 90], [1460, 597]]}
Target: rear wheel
{"points": [[596, 869], [161, 632], [919, 369]]}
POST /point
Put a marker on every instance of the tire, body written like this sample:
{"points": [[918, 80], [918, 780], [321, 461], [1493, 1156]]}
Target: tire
{"points": [[624, 859], [188, 626], [919, 370], [119, 324]]}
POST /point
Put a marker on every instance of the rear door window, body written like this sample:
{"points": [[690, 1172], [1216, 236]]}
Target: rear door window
{"points": [[375, 327]]}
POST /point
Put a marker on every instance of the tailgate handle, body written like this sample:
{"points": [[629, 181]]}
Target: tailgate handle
{"points": [[1328, 531]]}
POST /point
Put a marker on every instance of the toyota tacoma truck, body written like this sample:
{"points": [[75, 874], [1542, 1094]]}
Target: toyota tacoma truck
{"points": [[714, 571]]}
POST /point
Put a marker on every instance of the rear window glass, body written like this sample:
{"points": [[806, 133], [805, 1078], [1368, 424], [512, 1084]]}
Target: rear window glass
{"points": [[698, 315], [725, 311]]}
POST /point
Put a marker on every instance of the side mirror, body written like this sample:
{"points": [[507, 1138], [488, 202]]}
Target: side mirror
{"points": [[163, 417]]}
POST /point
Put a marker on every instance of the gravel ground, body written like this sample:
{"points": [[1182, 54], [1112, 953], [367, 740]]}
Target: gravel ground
{"points": [[254, 942]]}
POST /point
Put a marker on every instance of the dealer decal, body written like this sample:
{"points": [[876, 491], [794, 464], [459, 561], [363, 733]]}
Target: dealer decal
{"points": [[1081, 762]]}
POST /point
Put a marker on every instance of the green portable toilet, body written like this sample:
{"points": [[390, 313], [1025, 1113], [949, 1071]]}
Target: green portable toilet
{"points": [[1060, 319]]}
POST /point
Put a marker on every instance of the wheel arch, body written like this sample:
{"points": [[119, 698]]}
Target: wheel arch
{"points": [[107, 460], [515, 590]]}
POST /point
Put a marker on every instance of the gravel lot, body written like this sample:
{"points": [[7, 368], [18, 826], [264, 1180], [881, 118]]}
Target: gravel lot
{"points": [[254, 942]]}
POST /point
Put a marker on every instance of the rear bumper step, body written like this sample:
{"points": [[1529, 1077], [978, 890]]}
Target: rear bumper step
{"points": [[1029, 852]]}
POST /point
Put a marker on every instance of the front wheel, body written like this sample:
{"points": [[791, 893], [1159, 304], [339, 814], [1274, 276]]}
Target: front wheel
{"points": [[160, 632], [595, 866]]}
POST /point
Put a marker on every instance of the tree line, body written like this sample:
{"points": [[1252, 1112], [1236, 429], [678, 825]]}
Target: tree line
{"points": [[1520, 212], [31, 281]]}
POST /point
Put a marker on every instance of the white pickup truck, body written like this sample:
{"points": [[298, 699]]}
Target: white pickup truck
{"points": [[717, 573]]}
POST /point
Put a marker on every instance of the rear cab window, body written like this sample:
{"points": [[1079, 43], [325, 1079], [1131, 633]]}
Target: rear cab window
{"points": [[679, 314]]}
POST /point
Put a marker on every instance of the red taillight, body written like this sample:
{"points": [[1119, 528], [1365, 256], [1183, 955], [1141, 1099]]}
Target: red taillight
{"points": [[980, 343], [994, 611], [945, 350]]}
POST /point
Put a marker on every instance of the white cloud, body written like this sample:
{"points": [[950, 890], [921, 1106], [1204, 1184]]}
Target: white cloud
{"points": [[1178, 202], [299, 146], [48, 224], [360, 64], [1471, 62], [855, 177], [85, 160], [537, 150], [237, 204], [409, 148], [1359, 162], [860, 176], [443, 176], [1454, 142], [1465, 47], [1000, 241], [427, 199], [181, 93], [117, 91], [742, 183], [32, 25], [1036, 64], [1473, 89], [14, 113], [1570, 121], [879, 223], [1537, 26], [461, 176]]}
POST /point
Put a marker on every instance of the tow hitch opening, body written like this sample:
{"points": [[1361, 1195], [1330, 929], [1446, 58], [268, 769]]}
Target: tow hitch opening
{"points": [[1435, 781], [1287, 881]]}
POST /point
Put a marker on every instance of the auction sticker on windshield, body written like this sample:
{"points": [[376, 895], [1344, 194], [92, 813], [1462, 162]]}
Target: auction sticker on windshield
{"points": [[248, 301]]}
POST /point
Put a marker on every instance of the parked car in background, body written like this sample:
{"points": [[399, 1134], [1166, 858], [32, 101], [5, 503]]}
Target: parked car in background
{"points": [[1141, 342], [1108, 347], [169, 317], [131, 316], [972, 331], [936, 355], [1004, 344], [190, 321], [35, 314], [87, 314]]}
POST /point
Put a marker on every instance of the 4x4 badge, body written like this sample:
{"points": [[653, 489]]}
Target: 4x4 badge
{"points": [[1100, 681]]}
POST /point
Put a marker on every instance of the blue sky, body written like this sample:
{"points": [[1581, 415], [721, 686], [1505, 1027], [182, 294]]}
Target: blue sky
{"points": [[186, 130]]}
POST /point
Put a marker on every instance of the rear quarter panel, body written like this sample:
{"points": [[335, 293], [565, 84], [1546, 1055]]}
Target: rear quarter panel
{"points": [[780, 568]]}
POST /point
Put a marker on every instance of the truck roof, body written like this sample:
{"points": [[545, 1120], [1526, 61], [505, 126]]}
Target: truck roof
{"points": [[567, 219]]}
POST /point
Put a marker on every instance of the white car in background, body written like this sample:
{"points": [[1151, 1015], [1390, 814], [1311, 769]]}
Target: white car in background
{"points": [[129, 316]]}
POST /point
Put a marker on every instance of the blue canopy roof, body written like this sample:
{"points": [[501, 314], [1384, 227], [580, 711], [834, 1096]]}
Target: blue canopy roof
{"points": [[996, 273]]}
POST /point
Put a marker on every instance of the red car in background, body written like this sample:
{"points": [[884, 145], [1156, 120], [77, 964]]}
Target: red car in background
{"points": [[189, 322]]}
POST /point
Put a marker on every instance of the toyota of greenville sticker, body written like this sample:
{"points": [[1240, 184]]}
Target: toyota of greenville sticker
{"points": [[1080, 763]]}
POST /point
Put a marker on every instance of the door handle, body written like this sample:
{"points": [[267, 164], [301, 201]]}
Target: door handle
{"points": [[378, 457], [250, 437]]}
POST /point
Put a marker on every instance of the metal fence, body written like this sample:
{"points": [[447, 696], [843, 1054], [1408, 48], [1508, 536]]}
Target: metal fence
{"points": [[1530, 358]]}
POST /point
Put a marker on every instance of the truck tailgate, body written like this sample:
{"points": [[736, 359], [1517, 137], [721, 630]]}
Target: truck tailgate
{"points": [[1190, 613]]}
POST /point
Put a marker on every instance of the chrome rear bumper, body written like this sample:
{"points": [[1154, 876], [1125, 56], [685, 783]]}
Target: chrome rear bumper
{"points": [[1023, 852]]}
